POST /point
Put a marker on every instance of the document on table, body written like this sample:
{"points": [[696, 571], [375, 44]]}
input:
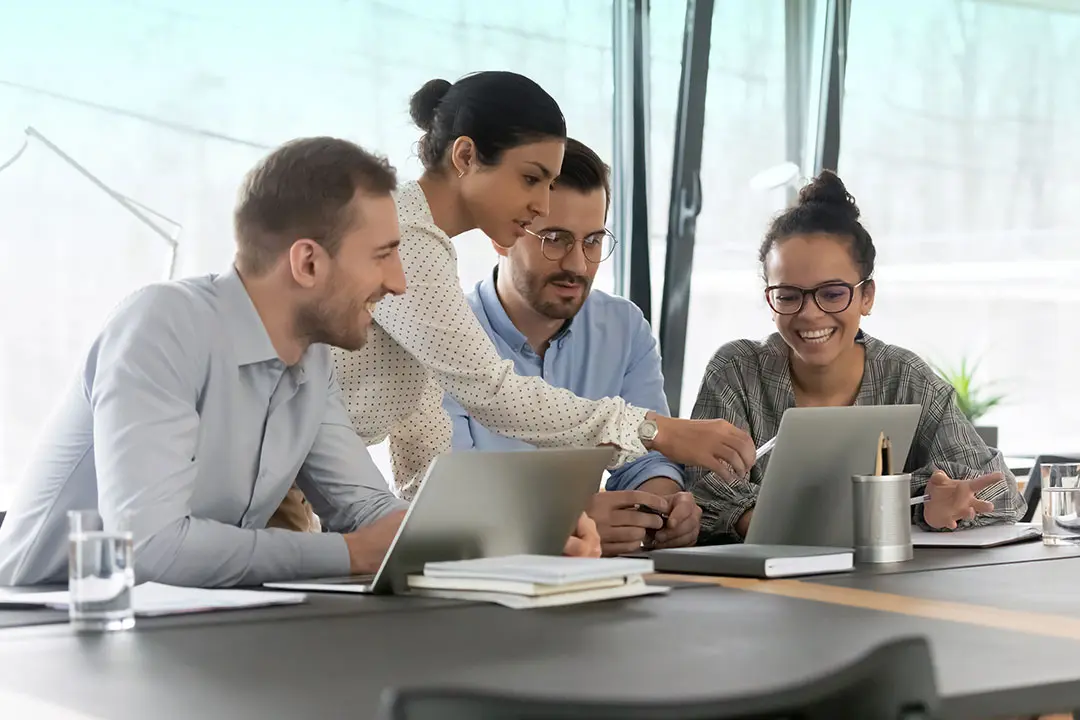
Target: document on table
{"points": [[153, 599], [15, 705], [977, 537]]}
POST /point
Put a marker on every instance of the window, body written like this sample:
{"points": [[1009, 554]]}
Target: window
{"points": [[744, 134], [958, 145], [170, 102]]}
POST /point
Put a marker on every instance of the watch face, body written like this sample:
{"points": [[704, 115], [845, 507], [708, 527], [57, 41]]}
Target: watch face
{"points": [[648, 429]]}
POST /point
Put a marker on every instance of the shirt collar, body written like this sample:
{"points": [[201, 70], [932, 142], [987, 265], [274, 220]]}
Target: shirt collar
{"points": [[251, 342], [502, 324], [496, 314]]}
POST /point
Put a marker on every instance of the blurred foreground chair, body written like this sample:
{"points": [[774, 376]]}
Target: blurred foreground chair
{"points": [[895, 681]]}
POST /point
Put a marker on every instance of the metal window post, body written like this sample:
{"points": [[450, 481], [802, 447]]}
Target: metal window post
{"points": [[827, 58], [685, 203], [630, 201]]}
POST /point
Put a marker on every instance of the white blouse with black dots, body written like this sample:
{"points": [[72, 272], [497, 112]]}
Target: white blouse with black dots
{"points": [[428, 340]]}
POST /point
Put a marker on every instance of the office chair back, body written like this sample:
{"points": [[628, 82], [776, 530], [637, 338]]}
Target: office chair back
{"points": [[893, 682], [1033, 489]]}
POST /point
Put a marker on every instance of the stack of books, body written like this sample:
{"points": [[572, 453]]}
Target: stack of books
{"points": [[532, 581]]}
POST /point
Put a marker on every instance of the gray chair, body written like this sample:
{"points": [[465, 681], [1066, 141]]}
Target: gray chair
{"points": [[892, 682], [1034, 482]]}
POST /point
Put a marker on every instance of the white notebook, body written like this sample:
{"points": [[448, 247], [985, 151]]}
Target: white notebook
{"points": [[540, 569], [532, 581], [513, 587], [626, 588], [977, 537]]}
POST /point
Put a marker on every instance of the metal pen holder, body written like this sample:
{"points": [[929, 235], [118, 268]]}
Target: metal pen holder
{"points": [[882, 518]]}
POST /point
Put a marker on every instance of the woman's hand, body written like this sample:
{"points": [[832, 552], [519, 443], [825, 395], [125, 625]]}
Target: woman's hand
{"points": [[954, 500]]}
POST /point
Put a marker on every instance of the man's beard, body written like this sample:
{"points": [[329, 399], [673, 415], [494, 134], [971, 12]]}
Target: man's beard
{"points": [[532, 287], [332, 321]]}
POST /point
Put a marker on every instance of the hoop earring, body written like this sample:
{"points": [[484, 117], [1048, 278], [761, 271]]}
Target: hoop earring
{"points": [[461, 174]]}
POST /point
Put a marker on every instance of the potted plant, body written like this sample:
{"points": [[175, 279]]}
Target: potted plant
{"points": [[973, 400]]}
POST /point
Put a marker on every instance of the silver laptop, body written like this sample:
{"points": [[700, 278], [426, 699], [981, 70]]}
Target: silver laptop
{"points": [[482, 504], [805, 496]]}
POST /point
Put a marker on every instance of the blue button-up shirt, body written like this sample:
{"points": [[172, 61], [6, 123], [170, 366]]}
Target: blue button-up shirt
{"points": [[185, 420], [607, 350]]}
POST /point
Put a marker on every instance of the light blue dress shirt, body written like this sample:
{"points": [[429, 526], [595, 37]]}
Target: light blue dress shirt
{"points": [[184, 419], [607, 350]]}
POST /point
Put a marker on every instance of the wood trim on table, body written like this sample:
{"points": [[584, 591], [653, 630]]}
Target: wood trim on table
{"points": [[1031, 623]]}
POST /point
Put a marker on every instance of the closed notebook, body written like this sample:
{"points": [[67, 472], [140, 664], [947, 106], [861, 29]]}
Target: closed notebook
{"points": [[533, 581], [749, 560], [539, 569], [625, 588], [513, 587]]}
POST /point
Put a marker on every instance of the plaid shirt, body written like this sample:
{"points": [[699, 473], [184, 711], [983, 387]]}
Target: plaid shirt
{"points": [[748, 384]]}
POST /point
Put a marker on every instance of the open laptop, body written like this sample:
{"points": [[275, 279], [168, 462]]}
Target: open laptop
{"points": [[806, 496], [482, 504]]}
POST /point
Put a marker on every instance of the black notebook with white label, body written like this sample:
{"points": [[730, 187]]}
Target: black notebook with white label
{"points": [[748, 560]]}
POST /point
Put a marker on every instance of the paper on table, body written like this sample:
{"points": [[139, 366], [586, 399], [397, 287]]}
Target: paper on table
{"points": [[977, 537], [151, 599], [15, 705]]}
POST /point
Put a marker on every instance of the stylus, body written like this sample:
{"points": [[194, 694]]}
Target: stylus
{"points": [[764, 449]]}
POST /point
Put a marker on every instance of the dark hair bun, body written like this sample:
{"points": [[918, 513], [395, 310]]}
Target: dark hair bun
{"points": [[828, 189], [424, 101]]}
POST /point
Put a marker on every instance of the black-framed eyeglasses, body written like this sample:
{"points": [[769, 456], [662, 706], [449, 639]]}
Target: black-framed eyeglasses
{"points": [[832, 298], [557, 244]]}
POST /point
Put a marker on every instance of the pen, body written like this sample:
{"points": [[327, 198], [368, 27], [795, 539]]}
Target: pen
{"points": [[764, 449], [919, 500], [650, 510]]}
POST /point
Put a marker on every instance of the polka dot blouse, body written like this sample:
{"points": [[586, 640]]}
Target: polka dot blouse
{"points": [[427, 341]]}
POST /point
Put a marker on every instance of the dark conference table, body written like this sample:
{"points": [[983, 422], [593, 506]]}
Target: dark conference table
{"points": [[1003, 634]]}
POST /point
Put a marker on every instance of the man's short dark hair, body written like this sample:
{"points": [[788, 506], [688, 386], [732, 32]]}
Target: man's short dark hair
{"points": [[584, 171], [304, 189]]}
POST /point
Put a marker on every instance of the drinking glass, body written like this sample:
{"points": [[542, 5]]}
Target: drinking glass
{"points": [[1060, 488], [101, 576]]}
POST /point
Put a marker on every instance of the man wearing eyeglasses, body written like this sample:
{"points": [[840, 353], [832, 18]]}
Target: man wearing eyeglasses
{"points": [[539, 309]]}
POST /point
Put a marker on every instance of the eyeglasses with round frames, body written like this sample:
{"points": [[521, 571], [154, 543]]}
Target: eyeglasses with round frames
{"points": [[557, 244], [831, 298]]}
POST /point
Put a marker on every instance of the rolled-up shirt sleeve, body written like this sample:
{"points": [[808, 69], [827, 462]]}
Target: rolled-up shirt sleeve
{"points": [[722, 503], [643, 386], [142, 384], [946, 440]]}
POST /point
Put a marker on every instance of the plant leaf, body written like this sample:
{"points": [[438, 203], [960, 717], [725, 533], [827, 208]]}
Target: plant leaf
{"points": [[969, 400]]}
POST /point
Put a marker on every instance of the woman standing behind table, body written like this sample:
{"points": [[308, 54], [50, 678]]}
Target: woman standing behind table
{"points": [[818, 263], [492, 145]]}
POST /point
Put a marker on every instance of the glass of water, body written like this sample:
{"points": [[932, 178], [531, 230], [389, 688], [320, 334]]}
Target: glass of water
{"points": [[1060, 487], [100, 573]]}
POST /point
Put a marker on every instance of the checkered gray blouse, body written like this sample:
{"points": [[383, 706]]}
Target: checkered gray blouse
{"points": [[748, 384]]}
